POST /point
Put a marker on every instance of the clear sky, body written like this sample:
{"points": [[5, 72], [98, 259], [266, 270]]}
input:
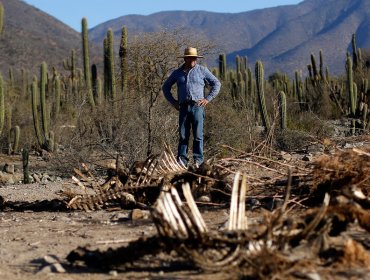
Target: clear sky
{"points": [[98, 11]]}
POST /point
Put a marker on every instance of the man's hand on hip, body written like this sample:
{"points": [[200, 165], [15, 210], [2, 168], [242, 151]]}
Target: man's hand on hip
{"points": [[203, 102]]}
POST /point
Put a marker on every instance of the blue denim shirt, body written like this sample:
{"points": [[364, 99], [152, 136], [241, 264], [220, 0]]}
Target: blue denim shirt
{"points": [[190, 86]]}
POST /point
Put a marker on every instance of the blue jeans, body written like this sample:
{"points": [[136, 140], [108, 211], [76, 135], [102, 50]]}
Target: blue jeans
{"points": [[191, 117]]}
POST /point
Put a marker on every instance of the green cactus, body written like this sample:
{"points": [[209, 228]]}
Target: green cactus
{"points": [[43, 106], [250, 84], [244, 63], [24, 74], [94, 78], [35, 101], [364, 116], [112, 80], [86, 59], [99, 94], [57, 90], [25, 163], [70, 64], [260, 81], [238, 63], [38, 96], [282, 109], [106, 68], [222, 66], [246, 83], [315, 73], [299, 90], [321, 71], [365, 85], [350, 87], [123, 59], [354, 52], [2, 104], [309, 68], [1, 18], [14, 139], [51, 144]]}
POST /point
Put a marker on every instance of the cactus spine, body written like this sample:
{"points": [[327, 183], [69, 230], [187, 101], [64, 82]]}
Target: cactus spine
{"points": [[260, 80]]}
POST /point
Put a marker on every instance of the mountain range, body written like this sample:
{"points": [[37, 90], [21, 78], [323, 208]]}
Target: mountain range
{"points": [[282, 37]]}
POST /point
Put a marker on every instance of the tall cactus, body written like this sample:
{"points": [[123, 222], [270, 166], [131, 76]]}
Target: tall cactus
{"points": [[111, 72], [85, 51], [44, 112], [222, 66], [25, 161], [14, 139], [238, 62], [106, 68], [1, 18], [299, 90], [354, 52], [352, 93], [35, 114], [282, 109], [38, 96], [71, 65], [260, 81], [57, 91], [350, 86], [321, 71], [123, 59], [315, 73], [2, 104]]}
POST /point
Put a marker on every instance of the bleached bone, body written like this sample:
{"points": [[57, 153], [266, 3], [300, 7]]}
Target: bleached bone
{"points": [[237, 220], [201, 225], [233, 258], [173, 218]]}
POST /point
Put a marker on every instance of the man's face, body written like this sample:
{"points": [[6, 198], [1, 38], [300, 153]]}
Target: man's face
{"points": [[190, 61]]}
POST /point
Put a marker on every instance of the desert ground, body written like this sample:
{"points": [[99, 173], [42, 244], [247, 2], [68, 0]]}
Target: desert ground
{"points": [[38, 233]]}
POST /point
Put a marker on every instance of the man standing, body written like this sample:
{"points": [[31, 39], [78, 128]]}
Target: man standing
{"points": [[191, 80]]}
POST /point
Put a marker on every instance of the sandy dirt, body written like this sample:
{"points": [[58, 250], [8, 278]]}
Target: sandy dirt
{"points": [[27, 237], [34, 245]]}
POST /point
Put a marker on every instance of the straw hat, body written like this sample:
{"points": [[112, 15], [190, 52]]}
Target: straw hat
{"points": [[191, 52]]}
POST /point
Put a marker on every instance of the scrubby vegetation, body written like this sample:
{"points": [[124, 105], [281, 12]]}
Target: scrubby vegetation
{"points": [[82, 112]]}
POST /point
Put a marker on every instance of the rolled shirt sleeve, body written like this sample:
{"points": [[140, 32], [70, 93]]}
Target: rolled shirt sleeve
{"points": [[166, 88], [213, 82]]}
